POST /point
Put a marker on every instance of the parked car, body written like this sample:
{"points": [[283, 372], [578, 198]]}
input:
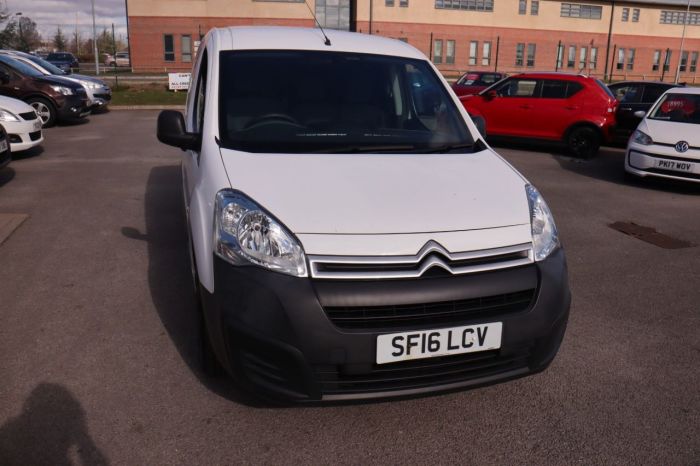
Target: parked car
{"points": [[352, 235], [666, 144], [98, 92], [64, 60], [5, 154], [22, 124], [473, 82], [633, 97], [576, 110], [54, 98], [118, 60]]}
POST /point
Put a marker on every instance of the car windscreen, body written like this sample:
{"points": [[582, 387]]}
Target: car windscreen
{"points": [[308, 101], [21, 68], [677, 107], [46, 65]]}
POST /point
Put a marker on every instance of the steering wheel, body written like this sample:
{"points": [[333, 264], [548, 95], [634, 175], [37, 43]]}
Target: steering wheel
{"points": [[271, 118]]}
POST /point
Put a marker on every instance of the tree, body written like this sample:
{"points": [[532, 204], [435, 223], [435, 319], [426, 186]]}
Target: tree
{"points": [[28, 37], [59, 40], [8, 36]]}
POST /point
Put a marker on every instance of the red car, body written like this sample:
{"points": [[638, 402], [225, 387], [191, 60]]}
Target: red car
{"points": [[473, 82], [574, 109]]}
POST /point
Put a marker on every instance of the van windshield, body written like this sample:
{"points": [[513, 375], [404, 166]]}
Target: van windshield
{"points": [[307, 101]]}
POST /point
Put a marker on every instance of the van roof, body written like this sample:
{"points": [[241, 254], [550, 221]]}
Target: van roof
{"points": [[292, 38]]}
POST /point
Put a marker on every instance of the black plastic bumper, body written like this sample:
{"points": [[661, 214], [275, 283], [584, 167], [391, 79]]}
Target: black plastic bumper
{"points": [[73, 107], [271, 332]]}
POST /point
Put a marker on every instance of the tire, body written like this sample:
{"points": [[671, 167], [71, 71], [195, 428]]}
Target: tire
{"points": [[583, 142], [45, 109]]}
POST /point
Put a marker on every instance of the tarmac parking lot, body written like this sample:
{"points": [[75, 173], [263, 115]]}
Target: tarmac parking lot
{"points": [[97, 357]]}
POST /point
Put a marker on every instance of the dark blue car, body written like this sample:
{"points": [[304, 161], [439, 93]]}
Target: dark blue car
{"points": [[64, 60]]}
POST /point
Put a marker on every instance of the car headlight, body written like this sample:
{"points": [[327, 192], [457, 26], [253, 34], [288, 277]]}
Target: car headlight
{"points": [[545, 237], [642, 138], [90, 85], [62, 90], [8, 116], [246, 234]]}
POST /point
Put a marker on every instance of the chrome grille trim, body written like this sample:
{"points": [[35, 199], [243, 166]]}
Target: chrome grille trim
{"points": [[520, 254]]}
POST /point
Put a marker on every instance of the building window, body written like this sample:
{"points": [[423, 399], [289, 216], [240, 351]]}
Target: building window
{"points": [[630, 59], [168, 47], [519, 52], [522, 7], [693, 62], [635, 15], [625, 14], [684, 60], [333, 14], [471, 5], [531, 49], [535, 7], [577, 10], [571, 59], [656, 61], [583, 51], [389, 3], [473, 46], [620, 64], [560, 56], [486, 54], [450, 52], [667, 60], [678, 17], [593, 58], [437, 51], [186, 45], [403, 3]]}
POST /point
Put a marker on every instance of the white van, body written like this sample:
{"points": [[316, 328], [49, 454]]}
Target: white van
{"points": [[352, 235]]}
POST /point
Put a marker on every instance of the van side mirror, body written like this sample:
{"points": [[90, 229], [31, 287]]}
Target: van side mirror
{"points": [[171, 131], [4, 77], [480, 124], [640, 113]]}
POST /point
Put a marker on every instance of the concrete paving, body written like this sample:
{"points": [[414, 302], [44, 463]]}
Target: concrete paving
{"points": [[97, 358]]}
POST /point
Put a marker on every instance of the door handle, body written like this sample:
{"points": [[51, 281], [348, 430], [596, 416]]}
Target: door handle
{"points": [[527, 107], [572, 107], [627, 109]]}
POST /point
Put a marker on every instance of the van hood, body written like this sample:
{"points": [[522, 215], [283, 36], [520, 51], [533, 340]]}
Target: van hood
{"points": [[667, 132], [381, 193]]}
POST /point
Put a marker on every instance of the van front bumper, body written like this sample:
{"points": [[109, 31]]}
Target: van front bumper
{"points": [[275, 336]]}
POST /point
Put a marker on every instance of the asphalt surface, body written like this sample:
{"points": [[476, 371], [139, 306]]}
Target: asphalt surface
{"points": [[97, 357]]}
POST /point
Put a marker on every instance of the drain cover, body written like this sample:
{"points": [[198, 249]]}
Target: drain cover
{"points": [[650, 235]]}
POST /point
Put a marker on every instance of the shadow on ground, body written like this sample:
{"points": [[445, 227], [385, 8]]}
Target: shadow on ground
{"points": [[6, 175], [51, 429], [28, 154], [169, 275]]}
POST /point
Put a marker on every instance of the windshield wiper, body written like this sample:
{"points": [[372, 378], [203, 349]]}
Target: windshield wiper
{"points": [[464, 148], [365, 149]]}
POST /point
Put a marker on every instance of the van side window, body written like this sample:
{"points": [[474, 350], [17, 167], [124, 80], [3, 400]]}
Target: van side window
{"points": [[200, 96]]}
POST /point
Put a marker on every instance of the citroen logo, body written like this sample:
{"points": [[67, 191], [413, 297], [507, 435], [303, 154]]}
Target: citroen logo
{"points": [[682, 146]]}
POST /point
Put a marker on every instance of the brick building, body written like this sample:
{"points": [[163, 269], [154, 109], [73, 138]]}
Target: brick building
{"points": [[640, 39]]}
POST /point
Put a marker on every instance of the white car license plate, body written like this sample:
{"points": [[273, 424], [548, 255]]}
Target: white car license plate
{"points": [[675, 165], [421, 344], [3, 145]]}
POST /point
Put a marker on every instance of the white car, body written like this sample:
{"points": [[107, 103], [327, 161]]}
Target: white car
{"points": [[22, 124], [352, 235], [666, 143]]}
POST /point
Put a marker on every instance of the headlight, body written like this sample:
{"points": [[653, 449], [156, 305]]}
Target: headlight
{"points": [[62, 90], [8, 116], [245, 234], [642, 138], [545, 237], [90, 84]]}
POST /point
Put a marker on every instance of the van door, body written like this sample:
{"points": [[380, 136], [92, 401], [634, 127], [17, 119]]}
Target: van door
{"points": [[194, 120]]}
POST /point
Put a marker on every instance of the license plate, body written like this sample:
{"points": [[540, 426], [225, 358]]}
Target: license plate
{"points": [[421, 344], [37, 125], [3, 145], [675, 165]]}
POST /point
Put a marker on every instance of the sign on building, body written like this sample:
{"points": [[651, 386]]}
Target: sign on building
{"points": [[179, 81]]}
